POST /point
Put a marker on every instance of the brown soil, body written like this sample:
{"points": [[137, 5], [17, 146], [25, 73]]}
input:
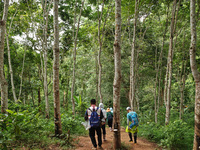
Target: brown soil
{"points": [[84, 143]]}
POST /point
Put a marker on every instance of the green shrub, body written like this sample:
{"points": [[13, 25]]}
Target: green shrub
{"points": [[178, 135], [73, 124], [175, 136]]}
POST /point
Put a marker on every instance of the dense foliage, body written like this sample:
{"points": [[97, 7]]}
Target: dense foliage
{"points": [[25, 123]]}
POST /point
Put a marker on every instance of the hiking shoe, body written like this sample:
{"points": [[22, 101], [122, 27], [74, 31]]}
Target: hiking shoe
{"points": [[94, 148], [100, 147], [131, 141]]}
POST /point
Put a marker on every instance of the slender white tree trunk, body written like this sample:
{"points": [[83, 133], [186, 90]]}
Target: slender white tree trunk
{"points": [[9, 60], [11, 71], [132, 65], [3, 82], [21, 77], [117, 78], [99, 53], [196, 75], [96, 62], [155, 90], [45, 50], [74, 60], [57, 116], [169, 61]]}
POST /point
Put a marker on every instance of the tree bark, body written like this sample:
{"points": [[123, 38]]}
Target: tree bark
{"points": [[99, 53], [74, 61], [132, 65], [56, 95], [169, 61], [96, 63], [39, 100], [117, 77], [155, 90], [196, 75], [9, 61], [159, 69], [3, 82], [11, 71], [45, 50], [20, 90]]}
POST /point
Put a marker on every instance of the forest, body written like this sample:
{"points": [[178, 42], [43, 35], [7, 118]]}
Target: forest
{"points": [[57, 55]]}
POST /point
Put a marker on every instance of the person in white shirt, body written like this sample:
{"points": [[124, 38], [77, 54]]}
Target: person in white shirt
{"points": [[103, 120]]}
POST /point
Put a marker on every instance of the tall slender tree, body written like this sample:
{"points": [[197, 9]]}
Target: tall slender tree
{"points": [[3, 82], [159, 69], [74, 58], [169, 63], [56, 95], [100, 50], [132, 65], [195, 74], [117, 77], [45, 50]]}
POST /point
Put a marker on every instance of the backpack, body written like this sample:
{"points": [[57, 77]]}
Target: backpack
{"points": [[135, 121], [110, 117], [94, 117]]}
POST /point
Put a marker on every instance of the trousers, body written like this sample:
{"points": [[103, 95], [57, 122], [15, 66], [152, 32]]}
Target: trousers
{"points": [[92, 131]]}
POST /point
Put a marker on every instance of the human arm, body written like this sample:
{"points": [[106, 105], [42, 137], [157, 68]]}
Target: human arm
{"points": [[101, 115], [86, 116], [104, 114], [128, 120]]}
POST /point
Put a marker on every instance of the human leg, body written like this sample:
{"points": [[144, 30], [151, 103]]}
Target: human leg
{"points": [[98, 130], [104, 132], [135, 137], [130, 136], [110, 124], [92, 136]]}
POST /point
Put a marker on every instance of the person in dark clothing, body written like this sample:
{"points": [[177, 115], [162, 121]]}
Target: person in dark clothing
{"points": [[109, 118], [95, 124]]}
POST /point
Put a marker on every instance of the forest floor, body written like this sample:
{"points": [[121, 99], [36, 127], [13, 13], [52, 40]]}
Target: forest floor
{"points": [[84, 142]]}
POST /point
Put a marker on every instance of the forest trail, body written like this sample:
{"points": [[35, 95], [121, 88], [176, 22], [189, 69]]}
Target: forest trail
{"points": [[84, 142]]}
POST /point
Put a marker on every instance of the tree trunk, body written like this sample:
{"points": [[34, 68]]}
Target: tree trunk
{"points": [[169, 61], [155, 90], [45, 29], [29, 77], [99, 53], [117, 77], [182, 87], [132, 65], [96, 62], [9, 60], [39, 99], [74, 61], [159, 69], [11, 71], [20, 90], [3, 82], [195, 74], [57, 117], [182, 80]]}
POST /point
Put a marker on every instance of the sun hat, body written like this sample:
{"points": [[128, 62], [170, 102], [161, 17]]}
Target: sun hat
{"points": [[108, 110], [128, 108]]}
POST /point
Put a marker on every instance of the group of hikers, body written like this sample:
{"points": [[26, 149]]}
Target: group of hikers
{"points": [[97, 118]]}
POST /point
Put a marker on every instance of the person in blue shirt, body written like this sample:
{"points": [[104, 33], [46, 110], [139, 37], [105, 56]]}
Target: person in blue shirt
{"points": [[132, 124], [96, 127]]}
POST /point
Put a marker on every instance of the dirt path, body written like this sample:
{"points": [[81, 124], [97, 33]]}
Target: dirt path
{"points": [[84, 143]]}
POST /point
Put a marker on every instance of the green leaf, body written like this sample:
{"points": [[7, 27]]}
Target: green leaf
{"points": [[10, 111]]}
